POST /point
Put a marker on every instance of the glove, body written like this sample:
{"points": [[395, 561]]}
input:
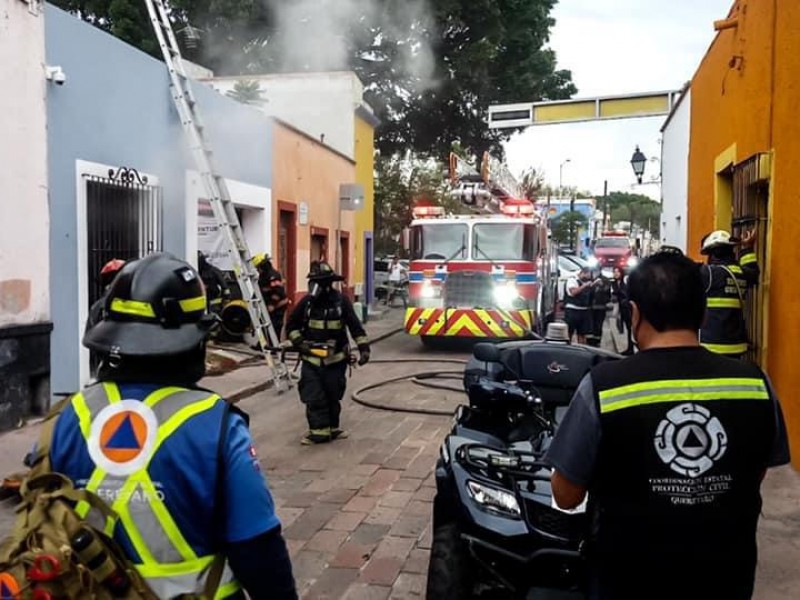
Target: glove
{"points": [[363, 358], [286, 345]]}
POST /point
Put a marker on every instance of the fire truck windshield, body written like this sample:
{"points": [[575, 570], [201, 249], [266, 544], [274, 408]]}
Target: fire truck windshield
{"points": [[612, 242], [440, 241], [504, 241]]}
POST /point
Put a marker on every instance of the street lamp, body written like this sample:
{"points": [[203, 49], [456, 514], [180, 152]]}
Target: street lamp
{"points": [[638, 161], [561, 174]]}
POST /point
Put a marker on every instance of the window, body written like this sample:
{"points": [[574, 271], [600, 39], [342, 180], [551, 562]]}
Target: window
{"points": [[619, 242], [504, 241], [440, 241]]}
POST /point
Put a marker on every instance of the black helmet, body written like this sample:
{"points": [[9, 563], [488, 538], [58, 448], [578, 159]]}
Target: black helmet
{"points": [[155, 307], [322, 271]]}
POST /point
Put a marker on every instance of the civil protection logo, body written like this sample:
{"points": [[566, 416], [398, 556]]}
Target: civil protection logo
{"points": [[122, 437], [9, 587], [690, 440]]}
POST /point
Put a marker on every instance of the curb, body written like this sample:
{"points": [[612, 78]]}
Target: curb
{"points": [[252, 390]]}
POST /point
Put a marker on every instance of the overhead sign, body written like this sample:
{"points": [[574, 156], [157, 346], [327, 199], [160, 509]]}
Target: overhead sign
{"points": [[210, 239]]}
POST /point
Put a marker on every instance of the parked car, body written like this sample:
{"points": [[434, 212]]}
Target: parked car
{"points": [[568, 267]]}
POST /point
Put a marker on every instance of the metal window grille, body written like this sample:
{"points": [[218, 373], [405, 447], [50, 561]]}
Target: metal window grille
{"points": [[750, 211], [123, 213]]}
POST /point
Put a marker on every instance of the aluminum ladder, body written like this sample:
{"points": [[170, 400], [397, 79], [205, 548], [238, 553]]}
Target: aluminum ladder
{"points": [[218, 195]]}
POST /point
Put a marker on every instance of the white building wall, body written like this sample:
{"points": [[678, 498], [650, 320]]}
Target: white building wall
{"points": [[24, 244], [675, 174], [320, 104]]}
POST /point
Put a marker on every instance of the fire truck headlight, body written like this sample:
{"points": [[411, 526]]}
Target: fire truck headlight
{"points": [[632, 262], [592, 261], [505, 294], [427, 290]]}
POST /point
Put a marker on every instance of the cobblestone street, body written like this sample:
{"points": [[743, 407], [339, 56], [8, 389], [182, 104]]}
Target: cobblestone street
{"points": [[356, 513]]}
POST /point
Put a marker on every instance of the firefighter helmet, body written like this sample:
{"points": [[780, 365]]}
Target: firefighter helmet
{"points": [[322, 271], [259, 259], [716, 239], [156, 306]]}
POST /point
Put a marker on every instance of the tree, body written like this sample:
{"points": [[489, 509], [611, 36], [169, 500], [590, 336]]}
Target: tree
{"points": [[247, 92], [532, 184], [566, 227], [641, 211], [430, 67]]}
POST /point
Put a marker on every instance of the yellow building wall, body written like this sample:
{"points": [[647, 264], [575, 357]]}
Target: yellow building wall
{"points": [[745, 101], [304, 170], [365, 175]]}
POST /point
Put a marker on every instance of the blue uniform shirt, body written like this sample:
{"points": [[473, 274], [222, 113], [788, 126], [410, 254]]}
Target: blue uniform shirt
{"points": [[185, 469]]}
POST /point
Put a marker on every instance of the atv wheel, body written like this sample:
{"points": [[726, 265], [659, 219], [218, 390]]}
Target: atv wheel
{"points": [[449, 576]]}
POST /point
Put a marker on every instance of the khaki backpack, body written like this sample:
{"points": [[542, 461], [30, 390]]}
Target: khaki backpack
{"points": [[54, 554]]}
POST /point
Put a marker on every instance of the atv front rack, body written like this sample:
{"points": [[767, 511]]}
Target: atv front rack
{"points": [[509, 463]]}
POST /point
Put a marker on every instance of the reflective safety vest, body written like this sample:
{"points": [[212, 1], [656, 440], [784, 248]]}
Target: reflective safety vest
{"points": [[324, 322], [121, 477], [686, 436], [724, 329]]}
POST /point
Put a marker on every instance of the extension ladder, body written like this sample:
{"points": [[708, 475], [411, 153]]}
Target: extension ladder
{"points": [[218, 195]]}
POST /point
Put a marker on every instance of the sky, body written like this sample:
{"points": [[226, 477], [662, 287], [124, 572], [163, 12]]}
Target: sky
{"points": [[616, 47]]}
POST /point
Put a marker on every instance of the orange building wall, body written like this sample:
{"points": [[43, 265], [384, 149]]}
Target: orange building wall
{"points": [[753, 102], [305, 170]]}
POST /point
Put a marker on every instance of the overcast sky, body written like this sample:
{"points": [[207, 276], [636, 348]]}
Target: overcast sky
{"points": [[616, 47]]}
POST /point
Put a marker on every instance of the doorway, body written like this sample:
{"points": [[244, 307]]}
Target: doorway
{"points": [[369, 269], [319, 243], [344, 252], [287, 246]]}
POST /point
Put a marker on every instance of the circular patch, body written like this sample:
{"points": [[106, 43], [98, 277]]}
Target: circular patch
{"points": [[122, 437], [9, 588], [690, 440]]}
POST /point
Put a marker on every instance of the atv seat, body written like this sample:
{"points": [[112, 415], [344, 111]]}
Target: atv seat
{"points": [[555, 370]]}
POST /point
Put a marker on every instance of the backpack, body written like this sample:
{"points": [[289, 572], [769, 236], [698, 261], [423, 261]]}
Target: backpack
{"points": [[54, 554]]}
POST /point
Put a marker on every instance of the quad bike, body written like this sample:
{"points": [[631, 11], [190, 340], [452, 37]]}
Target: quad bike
{"points": [[497, 530]]}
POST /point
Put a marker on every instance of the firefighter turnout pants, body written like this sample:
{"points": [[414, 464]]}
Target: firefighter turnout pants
{"points": [[321, 390]]}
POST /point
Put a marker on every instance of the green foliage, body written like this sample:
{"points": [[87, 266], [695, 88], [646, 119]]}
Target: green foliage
{"points": [[247, 92], [532, 184], [566, 226], [642, 211], [430, 67]]}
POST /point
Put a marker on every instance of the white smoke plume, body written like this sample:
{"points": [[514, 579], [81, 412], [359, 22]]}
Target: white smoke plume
{"points": [[323, 35]]}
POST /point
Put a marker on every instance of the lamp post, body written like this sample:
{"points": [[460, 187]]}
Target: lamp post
{"points": [[561, 175], [638, 162]]}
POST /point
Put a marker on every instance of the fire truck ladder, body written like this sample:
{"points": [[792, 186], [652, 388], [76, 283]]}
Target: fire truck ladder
{"points": [[218, 194]]}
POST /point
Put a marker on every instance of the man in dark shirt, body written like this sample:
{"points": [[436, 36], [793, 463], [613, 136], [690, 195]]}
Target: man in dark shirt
{"points": [[671, 446]]}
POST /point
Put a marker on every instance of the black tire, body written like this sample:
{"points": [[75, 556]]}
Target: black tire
{"points": [[449, 572]]}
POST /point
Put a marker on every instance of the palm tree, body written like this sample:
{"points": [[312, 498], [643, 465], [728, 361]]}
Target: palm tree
{"points": [[247, 92]]}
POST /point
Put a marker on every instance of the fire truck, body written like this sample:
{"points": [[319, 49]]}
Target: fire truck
{"points": [[484, 274]]}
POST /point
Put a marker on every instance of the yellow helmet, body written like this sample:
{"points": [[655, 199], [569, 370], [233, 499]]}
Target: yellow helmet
{"points": [[260, 258]]}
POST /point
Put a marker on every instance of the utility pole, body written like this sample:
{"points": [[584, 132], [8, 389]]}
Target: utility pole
{"points": [[572, 232]]}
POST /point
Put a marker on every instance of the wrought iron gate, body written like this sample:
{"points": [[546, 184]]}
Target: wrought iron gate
{"points": [[751, 211], [123, 213]]}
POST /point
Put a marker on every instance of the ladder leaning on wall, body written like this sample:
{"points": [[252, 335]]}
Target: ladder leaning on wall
{"points": [[218, 194]]}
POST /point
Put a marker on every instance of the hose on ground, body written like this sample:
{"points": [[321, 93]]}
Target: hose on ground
{"points": [[420, 378]]}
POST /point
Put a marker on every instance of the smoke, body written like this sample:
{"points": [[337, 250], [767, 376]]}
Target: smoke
{"points": [[332, 35]]}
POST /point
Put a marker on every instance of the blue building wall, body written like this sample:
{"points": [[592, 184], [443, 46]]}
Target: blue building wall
{"points": [[587, 210], [116, 109]]}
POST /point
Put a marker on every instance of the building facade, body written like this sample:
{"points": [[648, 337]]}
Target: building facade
{"points": [[743, 154], [24, 256], [121, 181], [675, 172]]}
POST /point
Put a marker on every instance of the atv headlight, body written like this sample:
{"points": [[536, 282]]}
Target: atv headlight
{"points": [[505, 294], [494, 500]]}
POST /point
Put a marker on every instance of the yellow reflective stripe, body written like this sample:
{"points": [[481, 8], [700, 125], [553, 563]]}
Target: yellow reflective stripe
{"points": [[178, 419], [83, 414], [227, 590], [120, 507], [698, 390], [193, 304], [748, 258], [133, 307], [317, 324], [112, 392], [723, 303], [160, 394], [166, 521], [726, 348], [735, 269], [295, 335], [331, 360], [189, 567], [94, 482], [361, 340]]}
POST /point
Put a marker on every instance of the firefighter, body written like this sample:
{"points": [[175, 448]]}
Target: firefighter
{"points": [[601, 297], [318, 328], [577, 301], [107, 274], [214, 281], [273, 289], [177, 461], [672, 445], [727, 280]]}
